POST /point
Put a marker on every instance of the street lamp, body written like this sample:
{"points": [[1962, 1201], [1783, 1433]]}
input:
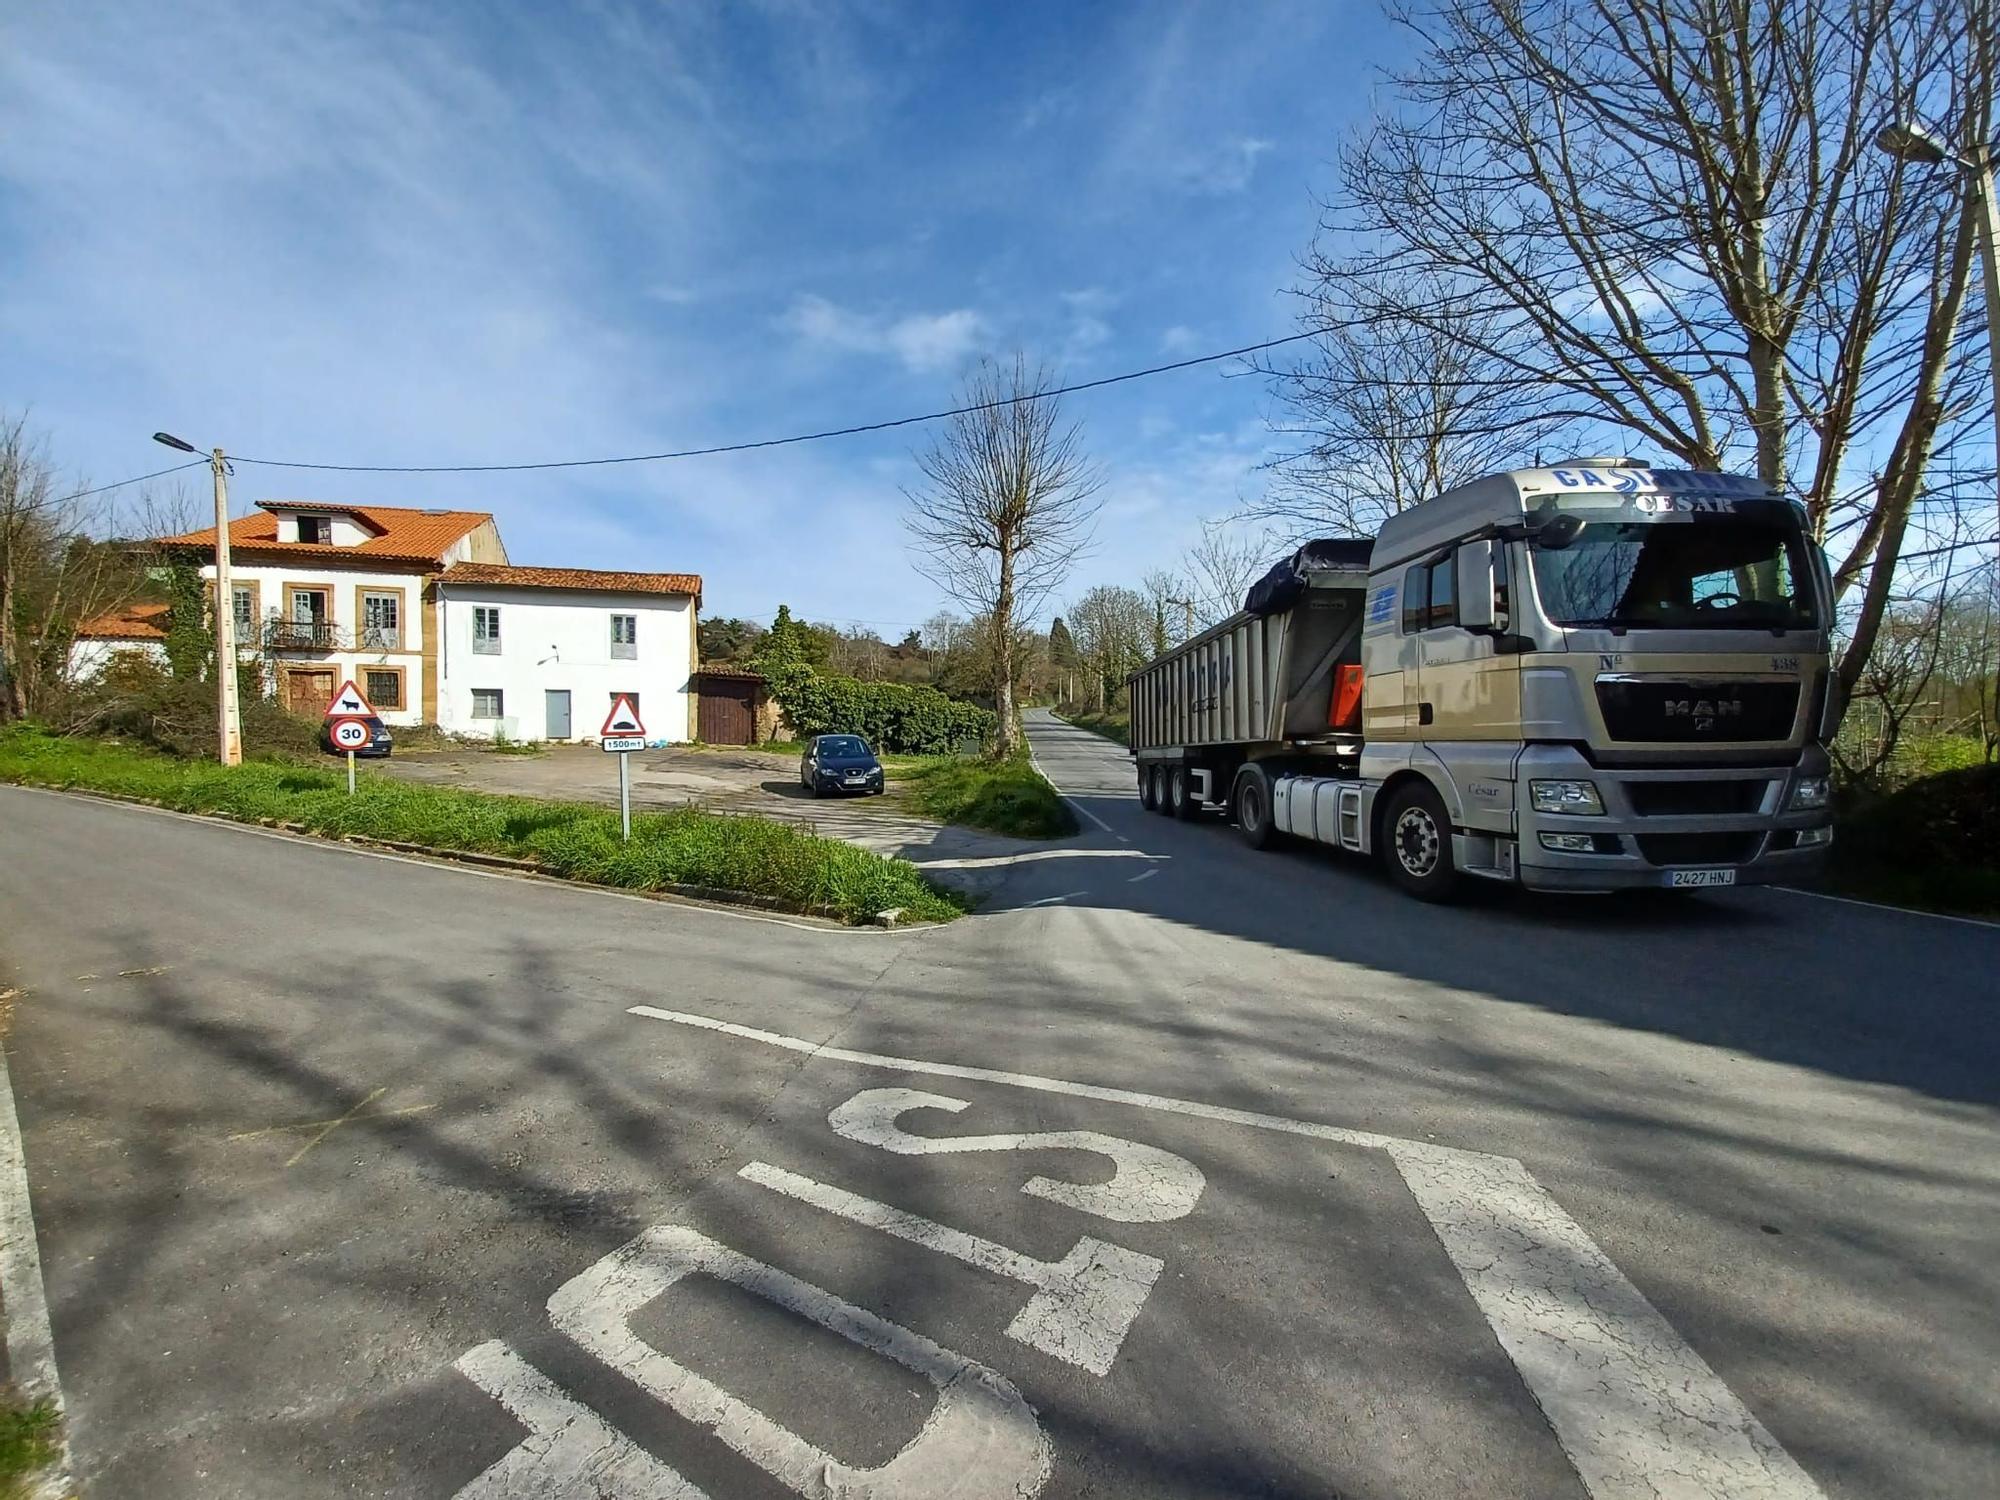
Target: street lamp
{"points": [[228, 717], [1913, 141]]}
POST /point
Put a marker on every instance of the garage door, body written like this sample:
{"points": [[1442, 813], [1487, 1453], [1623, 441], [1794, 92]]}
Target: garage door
{"points": [[728, 712]]}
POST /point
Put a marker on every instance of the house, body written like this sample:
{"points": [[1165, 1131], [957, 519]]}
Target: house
{"points": [[138, 628], [423, 610]]}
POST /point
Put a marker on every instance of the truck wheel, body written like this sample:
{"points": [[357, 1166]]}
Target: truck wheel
{"points": [[1416, 843], [1161, 791], [1253, 810], [1149, 795], [1183, 804]]}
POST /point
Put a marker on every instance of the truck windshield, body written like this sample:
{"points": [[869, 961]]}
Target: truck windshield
{"points": [[1708, 573]]}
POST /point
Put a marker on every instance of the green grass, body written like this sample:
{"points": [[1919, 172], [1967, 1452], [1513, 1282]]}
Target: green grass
{"points": [[686, 846], [1113, 725], [1930, 845], [29, 1437], [1006, 796]]}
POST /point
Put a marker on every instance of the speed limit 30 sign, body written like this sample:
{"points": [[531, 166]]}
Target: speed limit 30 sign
{"points": [[350, 734]]}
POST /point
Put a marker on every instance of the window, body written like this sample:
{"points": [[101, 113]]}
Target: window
{"points": [[244, 597], [383, 687], [382, 620], [1739, 572], [486, 703], [624, 637], [486, 631], [309, 606], [315, 529], [1429, 599]]}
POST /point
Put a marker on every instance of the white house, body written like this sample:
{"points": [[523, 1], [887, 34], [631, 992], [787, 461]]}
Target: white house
{"points": [[422, 609]]}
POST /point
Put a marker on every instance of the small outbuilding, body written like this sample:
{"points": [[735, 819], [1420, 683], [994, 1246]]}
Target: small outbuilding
{"points": [[734, 707]]}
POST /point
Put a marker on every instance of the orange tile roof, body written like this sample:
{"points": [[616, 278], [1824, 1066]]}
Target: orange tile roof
{"points": [[135, 622], [402, 535], [573, 578]]}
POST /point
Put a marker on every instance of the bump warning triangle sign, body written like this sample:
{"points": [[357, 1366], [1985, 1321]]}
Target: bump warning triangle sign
{"points": [[623, 720], [348, 703]]}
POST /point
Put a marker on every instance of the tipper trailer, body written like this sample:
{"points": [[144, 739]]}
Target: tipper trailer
{"points": [[1593, 677]]}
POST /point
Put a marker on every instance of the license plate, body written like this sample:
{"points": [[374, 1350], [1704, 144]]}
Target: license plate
{"points": [[1683, 878]]}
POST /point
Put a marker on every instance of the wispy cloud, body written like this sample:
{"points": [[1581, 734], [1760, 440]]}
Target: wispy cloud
{"points": [[1227, 167], [924, 342]]}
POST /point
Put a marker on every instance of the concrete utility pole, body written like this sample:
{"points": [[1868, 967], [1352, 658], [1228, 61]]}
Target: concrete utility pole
{"points": [[1187, 616], [228, 713]]}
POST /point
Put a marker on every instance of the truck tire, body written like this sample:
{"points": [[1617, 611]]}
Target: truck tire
{"points": [[1253, 809], [1416, 843], [1182, 803], [1162, 792], [1149, 794]]}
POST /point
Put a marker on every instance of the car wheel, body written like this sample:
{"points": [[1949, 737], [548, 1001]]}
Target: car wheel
{"points": [[1253, 810], [1416, 843]]}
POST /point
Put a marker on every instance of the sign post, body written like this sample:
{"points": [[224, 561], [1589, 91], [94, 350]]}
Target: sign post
{"points": [[347, 726], [621, 735]]}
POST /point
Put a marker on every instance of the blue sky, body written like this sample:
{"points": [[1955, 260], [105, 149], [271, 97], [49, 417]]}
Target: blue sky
{"points": [[429, 233]]}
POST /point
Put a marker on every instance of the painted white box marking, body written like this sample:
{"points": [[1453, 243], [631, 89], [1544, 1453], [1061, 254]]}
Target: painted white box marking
{"points": [[1151, 1186], [1083, 1305], [981, 1441], [569, 1451], [1638, 1413]]}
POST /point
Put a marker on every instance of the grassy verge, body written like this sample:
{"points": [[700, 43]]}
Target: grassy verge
{"points": [[1930, 845], [28, 1445], [752, 856], [1006, 796], [1111, 725]]}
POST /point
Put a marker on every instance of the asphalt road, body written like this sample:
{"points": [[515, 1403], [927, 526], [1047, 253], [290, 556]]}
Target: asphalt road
{"points": [[1182, 1170]]}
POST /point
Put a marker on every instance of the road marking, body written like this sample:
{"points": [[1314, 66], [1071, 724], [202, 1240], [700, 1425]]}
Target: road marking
{"points": [[1052, 900], [1633, 1407], [1147, 1186], [1142, 875], [31, 1346], [1083, 1305], [569, 1449], [1896, 911], [1075, 806], [327, 1127], [981, 1441], [1033, 856]]}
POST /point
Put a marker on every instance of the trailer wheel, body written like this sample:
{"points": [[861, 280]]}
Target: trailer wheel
{"points": [[1253, 810], [1416, 843], [1182, 801], [1149, 794]]}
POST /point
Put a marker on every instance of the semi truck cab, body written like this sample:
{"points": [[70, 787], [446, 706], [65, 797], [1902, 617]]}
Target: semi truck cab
{"points": [[1589, 677]]}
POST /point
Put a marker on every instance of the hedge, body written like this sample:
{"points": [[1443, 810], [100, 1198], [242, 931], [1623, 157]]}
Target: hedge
{"points": [[891, 716]]}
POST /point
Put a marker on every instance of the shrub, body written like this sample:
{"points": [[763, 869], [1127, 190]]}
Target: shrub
{"points": [[892, 716], [1930, 844], [136, 698]]}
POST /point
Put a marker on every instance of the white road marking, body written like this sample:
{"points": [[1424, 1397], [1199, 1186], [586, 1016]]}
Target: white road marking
{"points": [[31, 1346], [1142, 875], [1894, 911], [1075, 806], [569, 1449], [1149, 1186], [1033, 856], [1083, 1305], [981, 1441], [1053, 900], [1639, 1414]]}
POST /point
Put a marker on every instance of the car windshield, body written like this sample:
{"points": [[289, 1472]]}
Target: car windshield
{"points": [[1705, 574], [842, 747]]}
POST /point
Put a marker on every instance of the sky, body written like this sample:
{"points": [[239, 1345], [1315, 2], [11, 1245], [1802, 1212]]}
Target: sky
{"points": [[442, 233]]}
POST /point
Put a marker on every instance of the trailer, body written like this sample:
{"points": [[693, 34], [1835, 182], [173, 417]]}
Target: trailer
{"points": [[1593, 677]]}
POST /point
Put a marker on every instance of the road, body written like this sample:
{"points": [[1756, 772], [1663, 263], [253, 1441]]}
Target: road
{"points": [[1181, 1170]]}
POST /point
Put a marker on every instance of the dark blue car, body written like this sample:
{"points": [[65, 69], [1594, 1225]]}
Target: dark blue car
{"points": [[840, 763], [378, 745]]}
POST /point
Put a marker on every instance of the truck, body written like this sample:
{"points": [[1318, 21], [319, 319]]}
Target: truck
{"points": [[1596, 676]]}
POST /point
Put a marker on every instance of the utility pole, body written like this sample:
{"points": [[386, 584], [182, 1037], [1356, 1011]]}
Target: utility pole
{"points": [[1187, 617], [228, 714]]}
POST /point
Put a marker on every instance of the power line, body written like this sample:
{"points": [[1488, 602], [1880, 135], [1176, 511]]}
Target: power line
{"points": [[781, 442], [193, 463]]}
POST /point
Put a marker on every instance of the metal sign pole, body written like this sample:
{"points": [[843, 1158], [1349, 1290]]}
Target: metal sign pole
{"points": [[625, 794], [350, 773]]}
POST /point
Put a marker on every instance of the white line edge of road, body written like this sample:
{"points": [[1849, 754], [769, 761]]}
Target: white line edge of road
{"points": [[456, 867], [1074, 805], [1628, 1400], [1898, 911], [31, 1344]]}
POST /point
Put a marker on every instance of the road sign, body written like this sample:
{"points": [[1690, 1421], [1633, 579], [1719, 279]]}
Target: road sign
{"points": [[350, 734], [622, 730], [349, 704]]}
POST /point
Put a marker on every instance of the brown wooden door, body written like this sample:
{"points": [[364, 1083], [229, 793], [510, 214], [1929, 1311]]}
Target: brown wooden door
{"points": [[728, 712], [308, 692]]}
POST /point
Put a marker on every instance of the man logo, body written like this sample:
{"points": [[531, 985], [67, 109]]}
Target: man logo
{"points": [[1703, 712]]}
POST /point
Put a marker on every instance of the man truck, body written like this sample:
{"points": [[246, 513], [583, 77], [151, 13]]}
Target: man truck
{"points": [[1593, 677]]}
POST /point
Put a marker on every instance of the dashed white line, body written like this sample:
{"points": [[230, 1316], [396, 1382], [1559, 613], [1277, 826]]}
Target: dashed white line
{"points": [[1142, 875], [1638, 1413]]}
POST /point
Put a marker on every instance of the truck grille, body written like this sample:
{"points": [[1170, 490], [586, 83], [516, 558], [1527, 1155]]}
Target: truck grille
{"points": [[1697, 712], [1669, 799], [1699, 848]]}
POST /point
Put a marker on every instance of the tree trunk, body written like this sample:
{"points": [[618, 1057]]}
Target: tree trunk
{"points": [[1008, 738], [10, 655]]}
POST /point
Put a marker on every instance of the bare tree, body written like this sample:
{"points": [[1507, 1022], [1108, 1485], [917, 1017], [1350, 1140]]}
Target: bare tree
{"points": [[1666, 220], [1112, 629], [1222, 565], [1170, 602], [1004, 510]]}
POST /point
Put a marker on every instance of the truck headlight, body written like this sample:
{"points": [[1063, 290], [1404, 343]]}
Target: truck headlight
{"points": [[1565, 797], [1813, 838], [1809, 794]]}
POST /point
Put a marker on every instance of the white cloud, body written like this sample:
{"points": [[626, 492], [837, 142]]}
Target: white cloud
{"points": [[1178, 339], [1225, 168], [924, 342]]}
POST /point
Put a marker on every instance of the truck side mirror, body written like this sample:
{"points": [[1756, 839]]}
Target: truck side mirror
{"points": [[1475, 585]]}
